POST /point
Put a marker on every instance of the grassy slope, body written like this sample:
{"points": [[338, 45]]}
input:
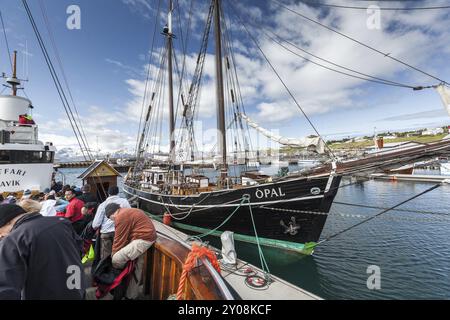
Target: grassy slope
{"points": [[364, 144]]}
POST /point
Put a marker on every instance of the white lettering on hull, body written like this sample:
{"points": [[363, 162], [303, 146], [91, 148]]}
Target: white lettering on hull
{"points": [[269, 193], [18, 177]]}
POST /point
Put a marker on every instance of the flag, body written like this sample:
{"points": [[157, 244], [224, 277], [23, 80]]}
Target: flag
{"points": [[444, 92]]}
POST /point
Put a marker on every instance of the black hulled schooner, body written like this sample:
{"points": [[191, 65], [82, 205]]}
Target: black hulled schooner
{"points": [[282, 211], [286, 212]]}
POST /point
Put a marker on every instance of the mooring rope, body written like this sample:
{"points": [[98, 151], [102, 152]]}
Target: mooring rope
{"points": [[264, 265], [374, 216], [202, 235]]}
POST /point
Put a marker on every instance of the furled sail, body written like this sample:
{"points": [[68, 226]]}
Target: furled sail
{"points": [[315, 144], [444, 92]]}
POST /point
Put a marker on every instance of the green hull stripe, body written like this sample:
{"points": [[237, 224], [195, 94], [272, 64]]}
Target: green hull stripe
{"points": [[306, 249]]}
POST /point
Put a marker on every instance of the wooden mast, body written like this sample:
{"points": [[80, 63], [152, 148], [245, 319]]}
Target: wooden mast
{"points": [[170, 69], [221, 131]]}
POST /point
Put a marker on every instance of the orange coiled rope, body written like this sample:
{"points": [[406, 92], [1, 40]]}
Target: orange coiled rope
{"points": [[197, 252]]}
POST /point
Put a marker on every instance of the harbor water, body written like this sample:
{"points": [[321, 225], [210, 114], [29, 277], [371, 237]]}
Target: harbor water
{"points": [[410, 248]]}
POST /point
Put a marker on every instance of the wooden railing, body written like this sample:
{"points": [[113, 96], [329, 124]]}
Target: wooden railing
{"points": [[163, 268]]}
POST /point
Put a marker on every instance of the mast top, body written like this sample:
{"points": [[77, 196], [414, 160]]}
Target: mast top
{"points": [[13, 81]]}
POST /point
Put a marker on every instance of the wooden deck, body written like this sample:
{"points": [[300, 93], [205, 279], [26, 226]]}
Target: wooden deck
{"points": [[277, 290], [163, 271]]}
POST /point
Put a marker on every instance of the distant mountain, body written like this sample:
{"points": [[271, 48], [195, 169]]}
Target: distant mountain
{"points": [[71, 155], [68, 154]]}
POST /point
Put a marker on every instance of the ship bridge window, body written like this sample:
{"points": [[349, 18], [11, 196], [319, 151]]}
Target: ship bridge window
{"points": [[23, 156], [5, 156]]}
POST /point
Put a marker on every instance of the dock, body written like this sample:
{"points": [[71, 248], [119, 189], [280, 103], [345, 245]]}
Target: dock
{"points": [[411, 177]]}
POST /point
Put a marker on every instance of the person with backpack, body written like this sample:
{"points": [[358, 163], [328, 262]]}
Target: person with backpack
{"points": [[134, 235]]}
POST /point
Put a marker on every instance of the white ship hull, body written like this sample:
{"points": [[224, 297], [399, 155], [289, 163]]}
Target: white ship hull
{"points": [[19, 177]]}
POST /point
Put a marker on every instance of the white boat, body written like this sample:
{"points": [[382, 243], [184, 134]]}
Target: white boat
{"points": [[25, 162]]}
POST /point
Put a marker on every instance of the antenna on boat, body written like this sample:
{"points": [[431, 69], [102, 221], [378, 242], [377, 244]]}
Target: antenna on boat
{"points": [[221, 131]]}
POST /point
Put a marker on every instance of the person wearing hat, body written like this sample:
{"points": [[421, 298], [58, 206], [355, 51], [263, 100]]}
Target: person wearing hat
{"points": [[134, 235], [40, 258], [87, 196], [105, 225], [26, 194], [48, 206]]}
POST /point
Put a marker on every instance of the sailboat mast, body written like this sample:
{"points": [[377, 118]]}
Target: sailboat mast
{"points": [[221, 131], [170, 70]]}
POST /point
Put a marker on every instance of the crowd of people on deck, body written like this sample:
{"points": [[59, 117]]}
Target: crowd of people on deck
{"points": [[44, 237]]}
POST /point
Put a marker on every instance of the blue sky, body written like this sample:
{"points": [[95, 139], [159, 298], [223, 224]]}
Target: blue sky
{"points": [[105, 63]]}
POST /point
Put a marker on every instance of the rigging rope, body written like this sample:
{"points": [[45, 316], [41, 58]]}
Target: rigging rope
{"points": [[56, 51], [6, 40], [185, 41], [147, 80], [279, 3], [381, 208], [228, 36], [376, 215], [365, 8], [371, 78], [245, 199], [282, 81], [56, 81], [264, 265]]}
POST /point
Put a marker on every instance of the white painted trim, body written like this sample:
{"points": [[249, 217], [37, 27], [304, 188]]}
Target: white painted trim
{"points": [[246, 188], [330, 181], [225, 205]]}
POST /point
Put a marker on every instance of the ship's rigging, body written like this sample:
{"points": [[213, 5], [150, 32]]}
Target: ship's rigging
{"points": [[201, 205], [186, 148]]}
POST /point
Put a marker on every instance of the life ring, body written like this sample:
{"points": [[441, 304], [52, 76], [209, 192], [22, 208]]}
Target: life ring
{"points": [[197, 252]]}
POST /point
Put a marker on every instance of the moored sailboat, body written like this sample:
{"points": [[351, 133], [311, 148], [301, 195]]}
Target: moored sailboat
{"points": [[285, 211], [245, 204]]}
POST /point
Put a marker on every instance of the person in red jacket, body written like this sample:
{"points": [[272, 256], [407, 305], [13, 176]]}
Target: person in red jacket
{"points": [[25, 119], [73, 211]]}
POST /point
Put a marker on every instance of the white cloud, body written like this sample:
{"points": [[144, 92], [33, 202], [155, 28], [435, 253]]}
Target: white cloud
{"points": [[274, 112], [417, 37], [101, 125], [129, 70], [319, 90], [142, 7]]}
